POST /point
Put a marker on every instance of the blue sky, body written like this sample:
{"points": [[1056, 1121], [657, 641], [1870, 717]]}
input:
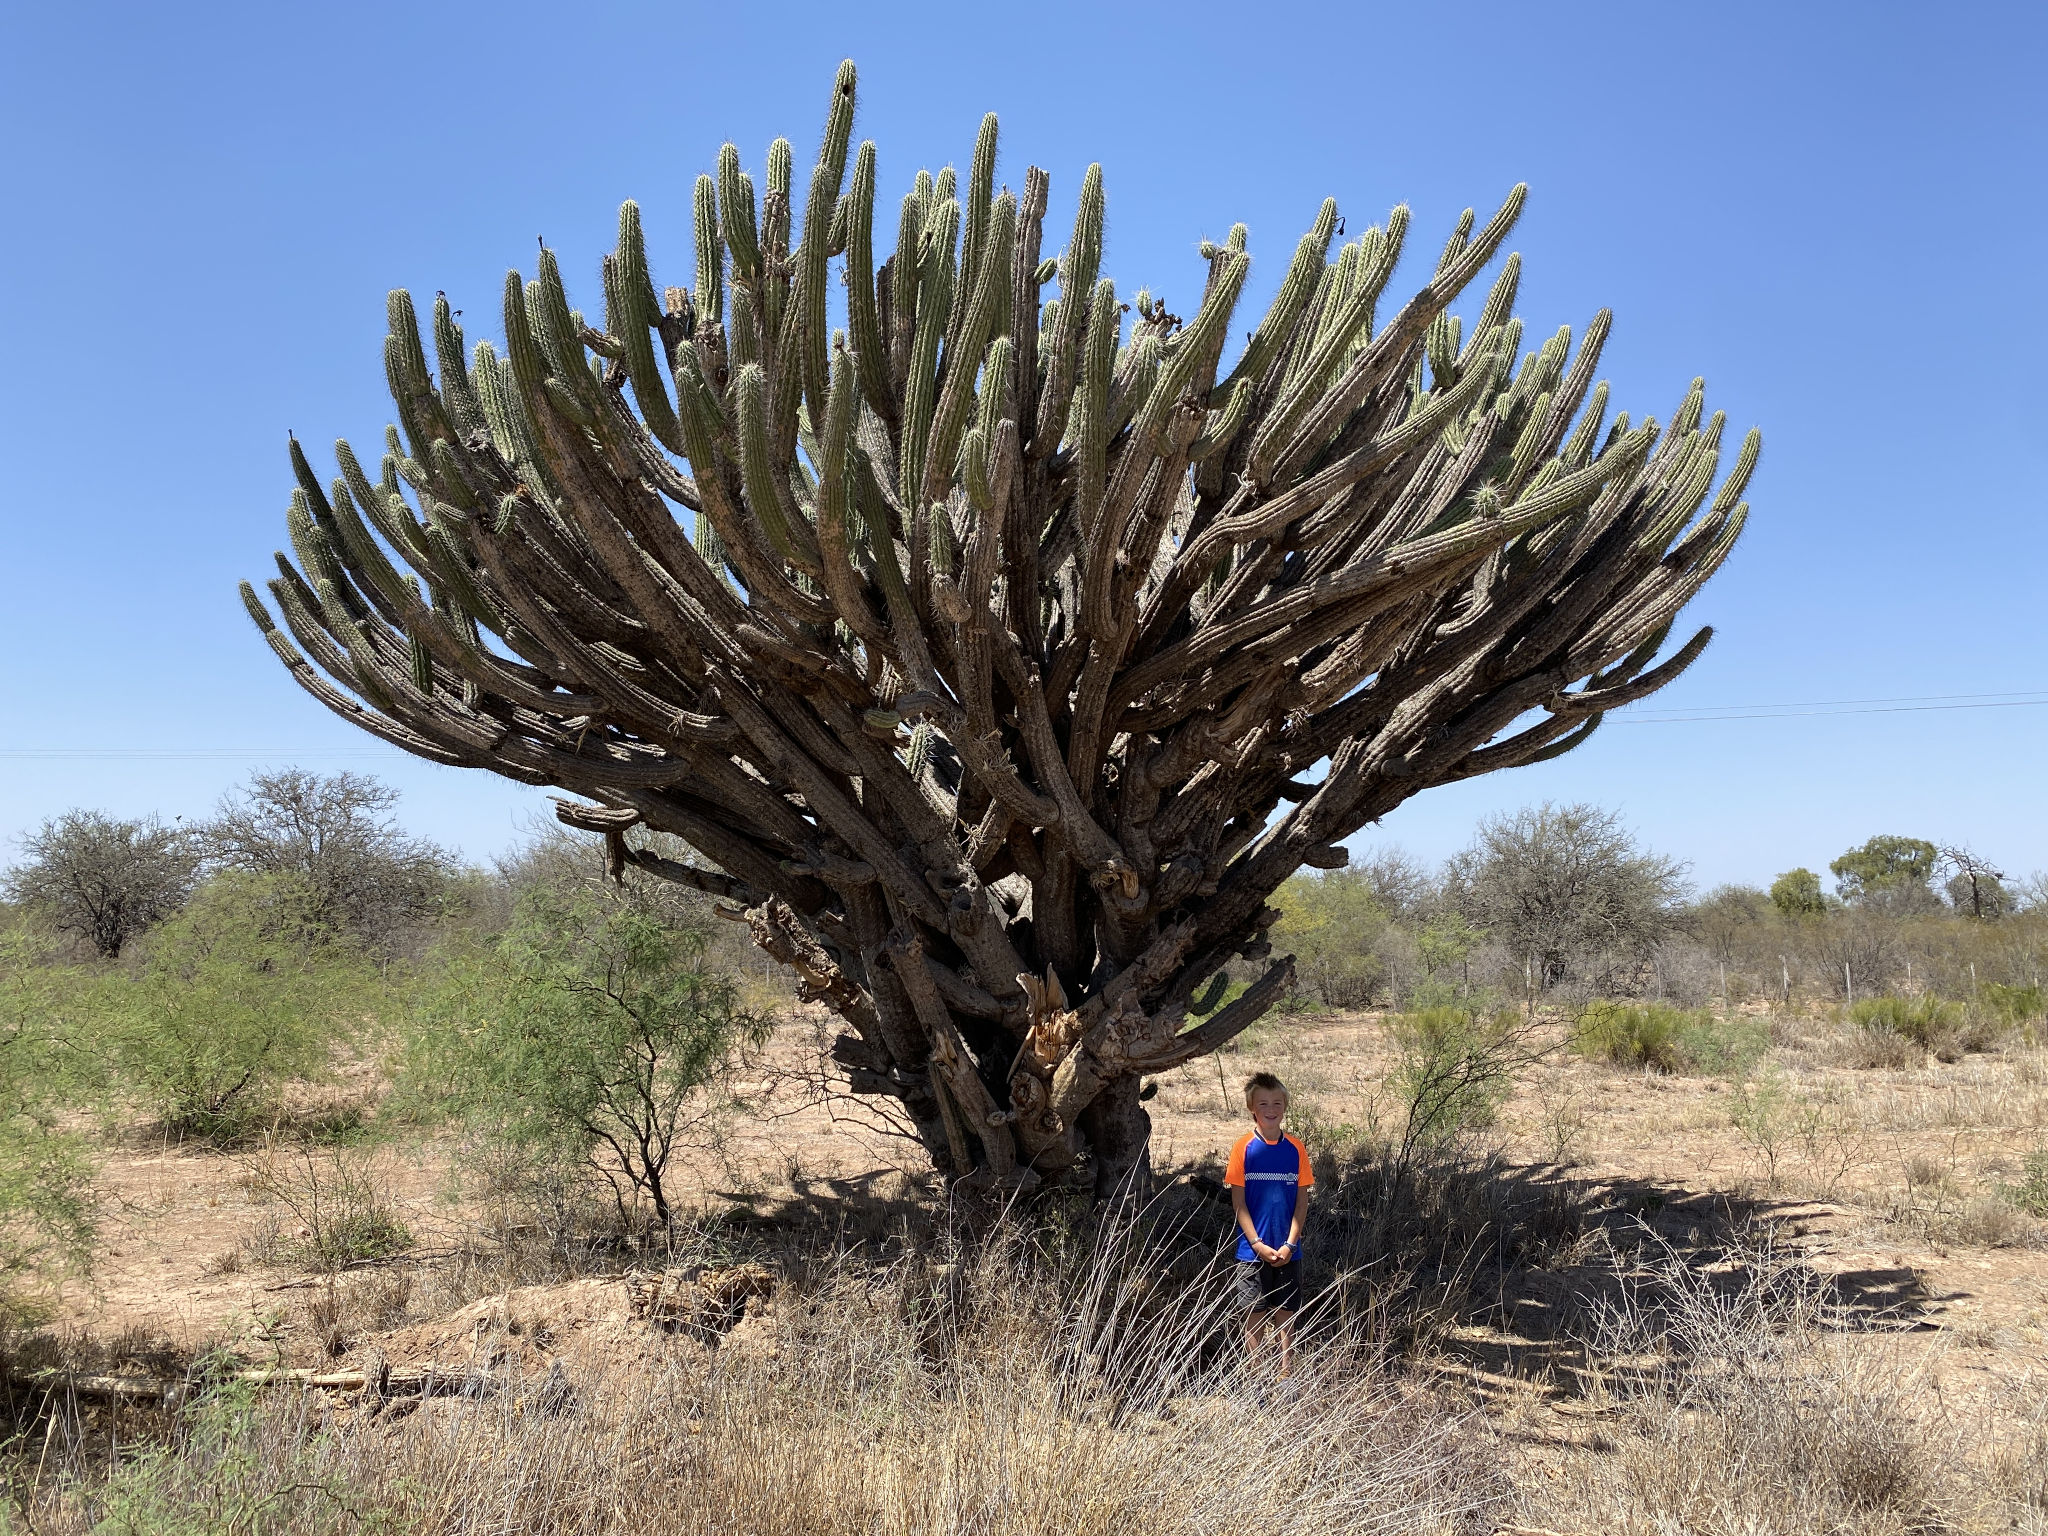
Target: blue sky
{"points": [[1833, 212]]}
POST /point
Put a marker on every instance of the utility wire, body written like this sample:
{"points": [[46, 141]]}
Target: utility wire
{"points": [[210, 754], [1909, 704]]}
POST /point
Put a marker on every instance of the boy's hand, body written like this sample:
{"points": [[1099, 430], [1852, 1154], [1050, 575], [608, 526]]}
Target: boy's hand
{"points": [[1266, 1255]]}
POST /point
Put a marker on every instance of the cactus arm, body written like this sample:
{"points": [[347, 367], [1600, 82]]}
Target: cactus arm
{"points": [[1078, 269]]}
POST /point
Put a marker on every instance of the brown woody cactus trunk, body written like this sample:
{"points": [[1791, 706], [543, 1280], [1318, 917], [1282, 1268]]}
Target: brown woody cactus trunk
{"points": [[993, 678]]}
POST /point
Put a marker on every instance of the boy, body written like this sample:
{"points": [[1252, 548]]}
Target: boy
{"points": [[1268, 1171]]}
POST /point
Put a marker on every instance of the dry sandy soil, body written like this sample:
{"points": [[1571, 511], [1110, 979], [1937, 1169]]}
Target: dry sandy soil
{"points": [[1884, 1181]]}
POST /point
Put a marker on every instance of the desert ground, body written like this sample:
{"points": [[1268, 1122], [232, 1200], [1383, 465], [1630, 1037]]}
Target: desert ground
{"points": [[1884, 1195]]}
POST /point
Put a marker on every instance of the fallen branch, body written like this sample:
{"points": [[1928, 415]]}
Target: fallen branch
{"points": [[424, 1383]]}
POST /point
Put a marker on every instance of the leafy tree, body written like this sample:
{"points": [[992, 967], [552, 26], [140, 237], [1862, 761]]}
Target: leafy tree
{"points": [[102, 879], [1722, 918], [242, 991], [1331, 922], [335, 836], [1887, 872], [590, 1033], [1445, 941], [1797, 893], [1568, 886], [46, 1210]]}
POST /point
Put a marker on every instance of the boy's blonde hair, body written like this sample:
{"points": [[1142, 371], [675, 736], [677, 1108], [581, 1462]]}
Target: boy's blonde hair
{"points": [[1263, 1082]]}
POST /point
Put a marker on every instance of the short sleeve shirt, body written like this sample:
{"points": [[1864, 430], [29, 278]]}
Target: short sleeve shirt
{"points": [[1272, 1175]]}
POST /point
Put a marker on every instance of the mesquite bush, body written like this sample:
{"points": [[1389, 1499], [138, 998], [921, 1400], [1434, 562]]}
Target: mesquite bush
{"points": [[993, 669]]}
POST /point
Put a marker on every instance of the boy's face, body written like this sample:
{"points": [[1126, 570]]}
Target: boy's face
{"points": [[1269, 1108]]}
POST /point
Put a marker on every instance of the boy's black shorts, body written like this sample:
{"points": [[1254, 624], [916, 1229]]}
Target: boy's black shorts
{"points": [[1263, 1287]]}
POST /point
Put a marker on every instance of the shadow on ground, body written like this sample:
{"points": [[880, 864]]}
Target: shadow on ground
{"points": [[1505, 1272]]}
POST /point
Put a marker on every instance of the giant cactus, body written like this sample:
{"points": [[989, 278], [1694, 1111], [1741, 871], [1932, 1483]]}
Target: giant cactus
{"points": [[1022, 639]]}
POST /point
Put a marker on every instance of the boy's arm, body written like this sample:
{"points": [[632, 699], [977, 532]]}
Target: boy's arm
{"points": [[1244, 1223], [1293, 1248]]}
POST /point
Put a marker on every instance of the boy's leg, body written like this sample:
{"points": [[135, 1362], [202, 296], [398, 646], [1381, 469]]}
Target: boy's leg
{"points": [[1284, 1298], [1250, 1295], [1254, 1337]]}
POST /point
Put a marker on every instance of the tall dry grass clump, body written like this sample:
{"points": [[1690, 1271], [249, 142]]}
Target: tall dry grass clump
{"points": [[1012, 1386], [1751, 1409]]}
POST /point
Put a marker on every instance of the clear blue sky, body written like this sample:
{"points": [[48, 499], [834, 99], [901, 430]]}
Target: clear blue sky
{"points": [[1833, 212]]}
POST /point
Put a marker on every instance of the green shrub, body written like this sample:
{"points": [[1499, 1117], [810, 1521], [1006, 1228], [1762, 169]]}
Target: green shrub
{"points": [[1456, 1068], [590, 1036], [46, 1212], [1667, 1039], [241, 992], [2031, 1193], [1723, 1047], [2013, 1005], [1928, 1022], [337, 1204], [1764, 1112], [1629, 1035]]}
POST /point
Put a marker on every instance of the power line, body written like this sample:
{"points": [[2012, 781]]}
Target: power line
{"points": [[1904, 698], [1822, 708], [202, 754]]}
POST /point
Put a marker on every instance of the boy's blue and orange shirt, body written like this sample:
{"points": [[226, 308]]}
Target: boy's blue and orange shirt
{"points": [[1272, 1175]]}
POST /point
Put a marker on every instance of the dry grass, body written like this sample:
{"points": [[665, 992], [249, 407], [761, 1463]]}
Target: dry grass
{"points": [[1007, 1390], [1748, 1411], [1034, 1384], [332, 1210]]}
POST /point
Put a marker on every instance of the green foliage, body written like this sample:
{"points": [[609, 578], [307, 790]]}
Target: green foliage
{"points": [[1975, 891], [2014, 1005], [587, 1036], [1668, 1039], [1797, 893], [1928, 1022], [46, 1213], [1445, 942], [1331, 924], [2030, 1194], [214, 1477], [1885, 868], [242, 992], [333, 834], [1630, 1036], [1456, 1068], [1764, 1111]]}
